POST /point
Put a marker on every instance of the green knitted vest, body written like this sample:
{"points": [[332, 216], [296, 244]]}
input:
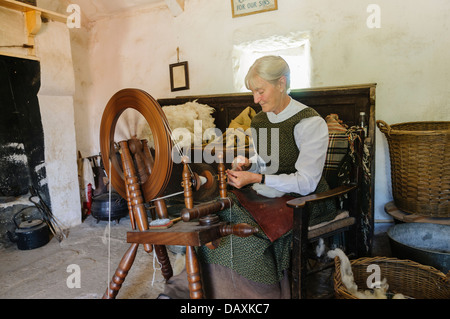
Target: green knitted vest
{"points": [[288, 154]]}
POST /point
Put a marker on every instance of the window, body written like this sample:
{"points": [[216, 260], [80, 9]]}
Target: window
{"points": [[294, 48]]}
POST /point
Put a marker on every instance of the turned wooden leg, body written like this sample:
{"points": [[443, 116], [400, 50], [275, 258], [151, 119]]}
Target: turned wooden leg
{"points": [[163, 258], [121, 272], [193, 274], [160, 250], [134, 193]]}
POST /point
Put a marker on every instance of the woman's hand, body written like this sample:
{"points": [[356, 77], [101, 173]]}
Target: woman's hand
{"points": [[240, 163], [239, 179]]}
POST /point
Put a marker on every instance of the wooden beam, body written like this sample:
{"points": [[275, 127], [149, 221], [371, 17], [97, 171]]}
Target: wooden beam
{"points": [[20, 6], [33, 24]]}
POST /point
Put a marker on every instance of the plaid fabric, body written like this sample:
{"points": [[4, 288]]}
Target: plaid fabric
{"points": [[337, 150]]}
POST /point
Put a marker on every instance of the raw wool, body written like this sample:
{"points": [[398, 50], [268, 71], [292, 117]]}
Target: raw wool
{"points": [[320, 248], [264, 190], [159, 222], [182, 117], [346, 269], [349, 282]]}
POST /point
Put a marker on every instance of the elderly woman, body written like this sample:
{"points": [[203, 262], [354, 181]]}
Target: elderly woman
{"points": [[303, 134], [256, 267]]}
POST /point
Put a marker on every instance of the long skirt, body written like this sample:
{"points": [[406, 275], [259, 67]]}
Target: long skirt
{"points": [[250, 267]]}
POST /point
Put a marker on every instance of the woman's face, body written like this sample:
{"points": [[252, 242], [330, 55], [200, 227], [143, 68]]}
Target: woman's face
{"points": [[272, 98]]}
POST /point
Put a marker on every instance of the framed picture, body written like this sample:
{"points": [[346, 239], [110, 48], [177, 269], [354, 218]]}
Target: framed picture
{"points": [[245, 7], [179, 76]]}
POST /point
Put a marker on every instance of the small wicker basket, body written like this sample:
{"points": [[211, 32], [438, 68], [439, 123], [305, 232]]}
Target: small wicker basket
{"points": [[420, 171], [409, 278]]}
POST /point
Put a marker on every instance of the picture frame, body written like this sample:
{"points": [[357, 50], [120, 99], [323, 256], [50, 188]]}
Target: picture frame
{"points": [[179, 76], [246, 7]]}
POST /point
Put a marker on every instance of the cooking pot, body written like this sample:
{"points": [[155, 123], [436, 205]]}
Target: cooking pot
{"points": [[30, 234], [100, 207]]}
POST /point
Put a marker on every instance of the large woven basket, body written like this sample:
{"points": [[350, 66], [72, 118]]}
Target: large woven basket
{"points": [[420, 171], [409, 278]]}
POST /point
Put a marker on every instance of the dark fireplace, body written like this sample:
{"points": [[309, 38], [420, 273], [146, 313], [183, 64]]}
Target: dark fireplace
{"points": [[22, 158]]}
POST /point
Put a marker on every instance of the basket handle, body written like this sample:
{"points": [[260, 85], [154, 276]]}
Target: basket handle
{"points": [[384, 127]]}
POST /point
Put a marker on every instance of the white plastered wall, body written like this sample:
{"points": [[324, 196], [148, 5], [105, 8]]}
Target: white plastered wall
{"points": [[57, 113]]}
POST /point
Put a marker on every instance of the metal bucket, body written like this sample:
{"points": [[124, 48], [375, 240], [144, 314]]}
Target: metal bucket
{"points": [[425, 243]]}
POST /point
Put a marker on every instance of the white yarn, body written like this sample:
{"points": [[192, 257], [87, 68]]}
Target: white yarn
{"points": [[109, 231], [231, 244], [203, 180], [154, 265]]}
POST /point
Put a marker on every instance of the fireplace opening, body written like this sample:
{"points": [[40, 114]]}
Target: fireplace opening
{"points": [[22, 158]]}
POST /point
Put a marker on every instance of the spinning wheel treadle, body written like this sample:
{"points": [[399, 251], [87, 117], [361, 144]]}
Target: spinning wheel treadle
{"points": [[139, 176]]}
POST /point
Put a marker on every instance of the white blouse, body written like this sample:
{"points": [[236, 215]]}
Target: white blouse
{"points": [[311, 137]]}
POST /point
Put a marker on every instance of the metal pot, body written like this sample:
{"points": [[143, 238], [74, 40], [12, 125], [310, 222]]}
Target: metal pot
{"points": [[100, 207], [30, 234], [428, 244]]}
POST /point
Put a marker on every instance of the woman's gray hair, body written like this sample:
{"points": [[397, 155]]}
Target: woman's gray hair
{"points": [[270, 68]]}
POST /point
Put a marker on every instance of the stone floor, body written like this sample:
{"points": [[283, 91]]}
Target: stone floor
{"points": [[51, 271]]}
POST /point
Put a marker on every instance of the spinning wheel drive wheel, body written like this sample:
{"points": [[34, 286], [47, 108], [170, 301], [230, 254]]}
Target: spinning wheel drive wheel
{"points": [[144, 104]]}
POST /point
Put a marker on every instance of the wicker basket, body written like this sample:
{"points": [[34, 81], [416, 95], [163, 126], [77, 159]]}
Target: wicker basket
{"points": [[403, 276], [420, 171]]}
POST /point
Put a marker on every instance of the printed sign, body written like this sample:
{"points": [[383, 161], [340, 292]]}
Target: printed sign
{"points": [[246, 7]]}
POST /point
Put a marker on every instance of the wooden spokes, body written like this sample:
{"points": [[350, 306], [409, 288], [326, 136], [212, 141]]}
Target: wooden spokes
{"points": [[149, 108]]}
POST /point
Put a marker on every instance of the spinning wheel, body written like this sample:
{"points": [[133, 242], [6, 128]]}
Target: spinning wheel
{"points": [[143, 103], [139, 174]]}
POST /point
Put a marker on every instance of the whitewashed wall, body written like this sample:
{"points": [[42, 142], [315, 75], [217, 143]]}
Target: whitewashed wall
{"points": [[407, 56], [53, 50], [57, 112]]}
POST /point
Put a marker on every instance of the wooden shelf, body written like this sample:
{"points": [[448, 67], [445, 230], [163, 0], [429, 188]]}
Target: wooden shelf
{"points": [[33, 19], [20, 6]]}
